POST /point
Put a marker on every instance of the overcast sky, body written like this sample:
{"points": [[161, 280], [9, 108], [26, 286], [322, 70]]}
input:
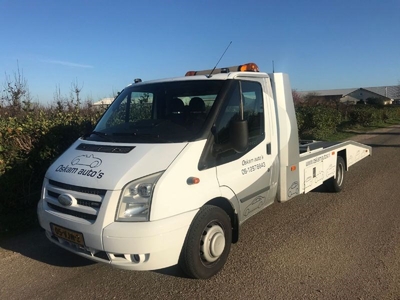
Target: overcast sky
{"points": [[105, 45]]}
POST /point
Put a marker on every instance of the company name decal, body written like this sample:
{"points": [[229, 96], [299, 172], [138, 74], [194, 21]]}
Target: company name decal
{"points": [[87, 163]]}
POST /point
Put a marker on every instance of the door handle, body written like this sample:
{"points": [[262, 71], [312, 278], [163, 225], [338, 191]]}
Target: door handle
{"points": [[269, 148]]}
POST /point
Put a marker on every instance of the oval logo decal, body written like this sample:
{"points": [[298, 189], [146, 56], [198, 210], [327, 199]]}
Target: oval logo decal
{"points": [[65, 199]]}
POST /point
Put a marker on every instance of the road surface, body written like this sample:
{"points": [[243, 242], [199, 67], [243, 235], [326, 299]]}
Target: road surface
{"points": [[316, 246]]}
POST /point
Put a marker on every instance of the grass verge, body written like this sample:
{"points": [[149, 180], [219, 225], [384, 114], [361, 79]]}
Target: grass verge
{"points": [[347, 131]]}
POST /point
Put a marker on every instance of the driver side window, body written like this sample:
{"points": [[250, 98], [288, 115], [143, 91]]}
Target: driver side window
{"points": [[253, 112]]}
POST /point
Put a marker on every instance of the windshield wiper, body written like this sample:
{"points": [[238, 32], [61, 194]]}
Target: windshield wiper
{"points": [[102, 135]]}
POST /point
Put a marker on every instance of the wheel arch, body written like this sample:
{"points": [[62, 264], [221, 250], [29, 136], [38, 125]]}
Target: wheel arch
{"points": [[227, 206], [343, 154]]}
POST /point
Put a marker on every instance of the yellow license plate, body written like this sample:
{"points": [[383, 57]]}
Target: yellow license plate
{"points": [[67, 234]]}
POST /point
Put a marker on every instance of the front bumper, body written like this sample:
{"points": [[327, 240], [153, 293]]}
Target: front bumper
{"points": [[126, 245]]}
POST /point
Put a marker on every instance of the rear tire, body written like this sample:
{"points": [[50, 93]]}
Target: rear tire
{"points": [[207, 243], [335, 185]]}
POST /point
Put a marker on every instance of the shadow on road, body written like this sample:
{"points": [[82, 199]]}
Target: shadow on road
{"points": [[36, 246], [174, 271], [372, 133], [383, 146]]}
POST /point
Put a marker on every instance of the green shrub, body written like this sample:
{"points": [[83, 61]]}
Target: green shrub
{"points": [[29, 142], [369, 115], [391, 113], [317, 122]]}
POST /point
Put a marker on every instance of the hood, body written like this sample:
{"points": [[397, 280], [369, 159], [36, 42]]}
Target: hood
{"points": [[110, 166]]}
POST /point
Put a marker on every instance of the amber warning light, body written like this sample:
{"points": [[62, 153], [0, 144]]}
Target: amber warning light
{"points": [[249, 67]]}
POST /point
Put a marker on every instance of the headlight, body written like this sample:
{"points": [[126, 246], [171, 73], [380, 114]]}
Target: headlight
{"points": [[134, 203]]}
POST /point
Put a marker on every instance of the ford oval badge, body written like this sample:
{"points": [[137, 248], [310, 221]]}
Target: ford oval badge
{"points": [[65, 199]]}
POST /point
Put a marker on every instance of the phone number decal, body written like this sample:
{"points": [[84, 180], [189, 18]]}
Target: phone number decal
{"points": [[253, 168]]}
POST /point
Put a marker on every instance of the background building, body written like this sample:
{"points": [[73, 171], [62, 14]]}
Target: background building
{"points": [[379, 95]]}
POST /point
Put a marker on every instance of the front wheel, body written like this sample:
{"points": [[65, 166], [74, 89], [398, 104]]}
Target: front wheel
{"points": [[335, 185], [207, 243]]}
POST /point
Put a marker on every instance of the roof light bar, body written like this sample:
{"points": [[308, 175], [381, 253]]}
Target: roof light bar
{"points": [[249, 67], [190, 73]]}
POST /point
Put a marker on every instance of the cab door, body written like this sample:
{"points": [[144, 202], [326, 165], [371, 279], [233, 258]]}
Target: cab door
{"points": [[247, 174]]}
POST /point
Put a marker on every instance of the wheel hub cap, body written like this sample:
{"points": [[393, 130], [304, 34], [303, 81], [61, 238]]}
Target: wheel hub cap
{"points": [[213, 243]]}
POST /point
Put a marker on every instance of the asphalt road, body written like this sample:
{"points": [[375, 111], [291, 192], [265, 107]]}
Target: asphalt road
{"points": [[316, 246]]}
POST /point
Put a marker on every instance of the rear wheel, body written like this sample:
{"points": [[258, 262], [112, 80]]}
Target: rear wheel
{"points": [[335, 185], [207, 243]]}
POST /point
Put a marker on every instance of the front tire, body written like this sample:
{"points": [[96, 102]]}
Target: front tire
{"points": [[335, 185], [207, 243]]}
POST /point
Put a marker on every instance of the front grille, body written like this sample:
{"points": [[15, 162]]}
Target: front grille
{"points": [[78, 188], [85, 198], [72, 212]]}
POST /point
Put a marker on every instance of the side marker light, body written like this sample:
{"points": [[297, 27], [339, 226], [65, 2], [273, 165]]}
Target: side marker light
{"points": [[193, 180]]}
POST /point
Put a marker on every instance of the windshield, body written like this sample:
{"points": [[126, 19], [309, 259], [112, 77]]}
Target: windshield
{"points": [[164, 112]]}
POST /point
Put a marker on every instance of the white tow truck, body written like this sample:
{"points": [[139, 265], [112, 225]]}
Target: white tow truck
{"points": [[175, 166]]}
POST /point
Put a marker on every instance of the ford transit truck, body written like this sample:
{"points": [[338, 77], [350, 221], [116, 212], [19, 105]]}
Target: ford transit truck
{"points": [[174, 167]]}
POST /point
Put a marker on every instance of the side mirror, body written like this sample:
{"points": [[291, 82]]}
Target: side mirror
{"points": [[239, 135]]}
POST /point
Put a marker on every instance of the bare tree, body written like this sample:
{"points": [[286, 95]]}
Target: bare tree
{"points": [[15, 93], [59, 99], [297, 98], [76, 90]]}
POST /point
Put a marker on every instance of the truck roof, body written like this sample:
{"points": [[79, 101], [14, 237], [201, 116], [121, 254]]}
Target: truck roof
{"points": [[246, 70]]}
